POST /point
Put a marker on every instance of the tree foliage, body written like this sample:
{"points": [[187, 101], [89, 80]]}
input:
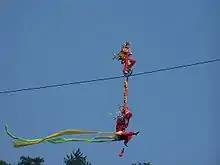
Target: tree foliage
{"points": [[30, 161], [76, 158], [139, 163], [2, 162]]}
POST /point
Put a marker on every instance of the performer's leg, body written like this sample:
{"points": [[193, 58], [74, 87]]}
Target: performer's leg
{"points": [[132, 62], [125, 64]]}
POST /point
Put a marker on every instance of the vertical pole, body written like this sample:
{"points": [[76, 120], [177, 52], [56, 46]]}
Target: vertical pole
{"points": [[125, 92]]}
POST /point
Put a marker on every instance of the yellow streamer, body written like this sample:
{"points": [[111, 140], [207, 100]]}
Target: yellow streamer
{"points": [[61, 133]]}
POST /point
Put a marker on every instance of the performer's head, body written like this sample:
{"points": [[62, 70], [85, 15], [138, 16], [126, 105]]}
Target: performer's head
{"points": [[127, 44]]}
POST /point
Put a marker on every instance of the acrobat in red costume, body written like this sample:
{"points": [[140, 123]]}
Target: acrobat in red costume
{"points": [[128, 61], [123, 120], [125, 56]]}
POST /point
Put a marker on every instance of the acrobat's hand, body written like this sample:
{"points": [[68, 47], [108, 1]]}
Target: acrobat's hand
{"points": [[115, 56]]}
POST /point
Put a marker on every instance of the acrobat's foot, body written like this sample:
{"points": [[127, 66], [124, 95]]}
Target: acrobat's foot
{"points": [[122, 152], [136, 133]]}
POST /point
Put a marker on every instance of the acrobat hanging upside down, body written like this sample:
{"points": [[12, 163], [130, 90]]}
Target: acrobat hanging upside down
{"points": [[125, 57]]}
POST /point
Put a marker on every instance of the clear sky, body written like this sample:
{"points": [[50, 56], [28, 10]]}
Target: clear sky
{"points": [[48, 42]]}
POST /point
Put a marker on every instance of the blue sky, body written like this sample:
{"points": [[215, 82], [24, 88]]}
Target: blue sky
{"points": [[47, 42]]}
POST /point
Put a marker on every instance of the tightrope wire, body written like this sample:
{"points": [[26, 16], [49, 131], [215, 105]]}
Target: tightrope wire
{"points": [[108, 78]]}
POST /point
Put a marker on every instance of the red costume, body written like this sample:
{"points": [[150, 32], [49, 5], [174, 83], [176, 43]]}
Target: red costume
{"points": [[128, 61], [125, 56], [120, 124], [123, 121], [127, 116]]}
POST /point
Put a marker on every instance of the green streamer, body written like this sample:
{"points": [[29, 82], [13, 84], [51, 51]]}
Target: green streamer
{"points": [[20, 142]]}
